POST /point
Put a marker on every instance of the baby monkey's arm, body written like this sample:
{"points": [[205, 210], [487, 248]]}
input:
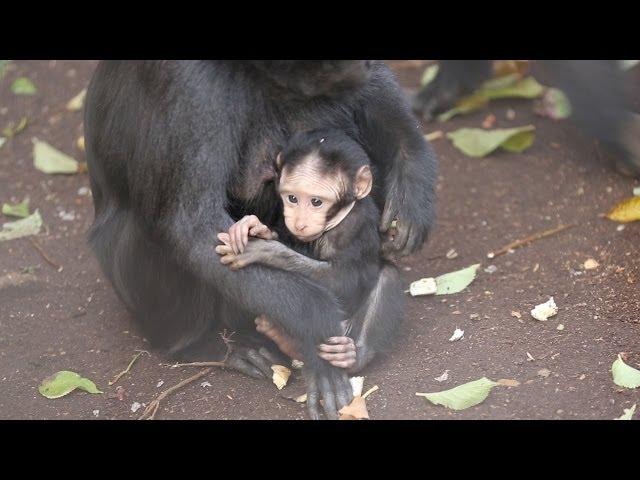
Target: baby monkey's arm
{"points": [[249, 225], [273, 254]]}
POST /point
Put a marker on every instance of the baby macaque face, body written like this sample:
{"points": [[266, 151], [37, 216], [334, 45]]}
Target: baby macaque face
{"points": [[308, 195]]}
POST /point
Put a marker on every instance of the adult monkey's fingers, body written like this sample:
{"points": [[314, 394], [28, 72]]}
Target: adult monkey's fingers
{"points": [[328, 399], [338, 357], [388, 215], [233, 238], [312, 397]]}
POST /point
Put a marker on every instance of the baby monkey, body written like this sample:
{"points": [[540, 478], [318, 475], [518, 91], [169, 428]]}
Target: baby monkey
{"points": [[324, 179]]}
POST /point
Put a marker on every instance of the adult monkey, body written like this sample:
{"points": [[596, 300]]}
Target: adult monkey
{"points": [[599, 91], [179, 150]]}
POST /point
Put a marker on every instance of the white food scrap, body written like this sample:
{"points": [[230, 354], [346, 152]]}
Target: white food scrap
{"points": [[545, 310]]}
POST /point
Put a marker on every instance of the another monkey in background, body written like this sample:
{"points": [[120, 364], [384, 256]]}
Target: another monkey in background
{"points": [[324, 179]]}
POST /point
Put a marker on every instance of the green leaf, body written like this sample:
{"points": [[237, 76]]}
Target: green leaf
{"points": [[624, 375], [23, 86], [20, 210], [525, 88], [64, 382], [429, 74], [12, 130], [503, 81], [477, 142], [462, 396], [2, 140], [49, 160], [636, 191], [467, 104], [628, 413], [455, 282], [21, 228], [554, 105]]}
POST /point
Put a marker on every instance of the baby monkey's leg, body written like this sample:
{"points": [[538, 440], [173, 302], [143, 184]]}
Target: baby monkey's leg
{"points": [[373, 326], [277, 335]]}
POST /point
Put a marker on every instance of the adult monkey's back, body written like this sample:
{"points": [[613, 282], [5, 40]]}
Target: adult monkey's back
{"points": [[179, 150]]}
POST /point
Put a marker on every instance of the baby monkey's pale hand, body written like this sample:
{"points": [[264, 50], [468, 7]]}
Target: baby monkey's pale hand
{"points": [[240, 231]]}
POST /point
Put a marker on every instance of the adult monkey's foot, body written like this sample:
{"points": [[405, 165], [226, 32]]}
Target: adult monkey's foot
{"points": [[255, 362]]}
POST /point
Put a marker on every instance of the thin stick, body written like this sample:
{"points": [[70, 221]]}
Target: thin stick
{"points": [[150, 412], [201, 364], [45, 256], [126, 370], [531, 238]]}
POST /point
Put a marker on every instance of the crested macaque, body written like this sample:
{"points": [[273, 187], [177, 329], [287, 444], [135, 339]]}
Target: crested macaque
{"points": [[324, 179], [180, 150]]}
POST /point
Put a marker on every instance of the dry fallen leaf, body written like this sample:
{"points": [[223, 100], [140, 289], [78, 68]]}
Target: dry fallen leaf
{"points": [[626, 211], [508, 383], [544, 372], [516, 314], [489, 121], [76, 103], [281, 375], [356, 410]]}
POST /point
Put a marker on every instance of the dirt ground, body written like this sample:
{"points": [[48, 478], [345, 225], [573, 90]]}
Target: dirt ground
{"points": [[72, 319]]}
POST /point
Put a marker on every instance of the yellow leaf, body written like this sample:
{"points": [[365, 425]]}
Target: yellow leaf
{"points": [[626, 211]]}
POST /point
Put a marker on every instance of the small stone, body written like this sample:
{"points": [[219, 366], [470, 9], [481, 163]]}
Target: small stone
{"points": [[96, 413], [205, 384], [451, 254], [620, 228], [474, 316], [135, 406], [591, 264], [560, 327], [491, 269], [544, 372]]}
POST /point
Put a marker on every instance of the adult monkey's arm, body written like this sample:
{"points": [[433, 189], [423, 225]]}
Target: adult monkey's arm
{"points": [[392, 137]]}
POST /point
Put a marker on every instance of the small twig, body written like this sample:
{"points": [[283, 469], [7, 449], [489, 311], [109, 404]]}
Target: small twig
{"points": [[370, 391], [126, 370], [15, 279], [45, 256], [531, 238], [151, 410]]}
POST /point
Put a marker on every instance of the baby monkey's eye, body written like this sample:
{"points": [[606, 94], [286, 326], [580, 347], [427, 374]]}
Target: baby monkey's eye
{"points": [[316, 202], [292, 199]]}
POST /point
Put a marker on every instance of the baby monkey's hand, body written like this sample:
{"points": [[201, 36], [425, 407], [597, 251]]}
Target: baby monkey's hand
{"points": [[249, 225]]}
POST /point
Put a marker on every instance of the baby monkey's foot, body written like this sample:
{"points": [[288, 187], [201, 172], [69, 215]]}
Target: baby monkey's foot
{"points": [[339, 352]]}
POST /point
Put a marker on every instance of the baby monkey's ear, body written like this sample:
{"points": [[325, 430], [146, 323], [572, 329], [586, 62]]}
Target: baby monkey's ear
{"points": [[279, 162], [364, 182]]}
